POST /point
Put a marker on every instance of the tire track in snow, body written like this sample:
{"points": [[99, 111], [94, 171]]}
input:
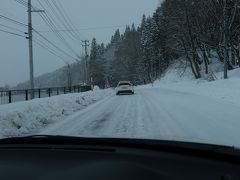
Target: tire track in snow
{"points": [[166, 124]]}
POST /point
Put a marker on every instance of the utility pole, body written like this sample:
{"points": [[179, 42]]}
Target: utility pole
{"points": [[69, 76], [30, 38], [30, 48], [225, 40], [85, 45]]}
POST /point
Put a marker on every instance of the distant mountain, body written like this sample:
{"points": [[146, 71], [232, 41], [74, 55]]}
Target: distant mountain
{"points": [[61, 77], [52, 79]]}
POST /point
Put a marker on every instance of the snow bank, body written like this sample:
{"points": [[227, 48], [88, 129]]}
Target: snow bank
{"points": [[223, 89], [24, 117]]}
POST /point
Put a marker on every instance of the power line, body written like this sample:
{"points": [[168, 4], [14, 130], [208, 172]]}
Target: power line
{"points": [[22, 2], [10, 14], [60, 19], [49, 22], [12, 33], [30, 29], [25, 4], [12, 20], [54, 45], [82, 29], [12, 28], [50, 51], [71, 35], [46, 47], [66, 18]]}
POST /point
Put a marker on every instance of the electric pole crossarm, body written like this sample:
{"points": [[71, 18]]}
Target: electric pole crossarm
{"points": [[85, 45]]}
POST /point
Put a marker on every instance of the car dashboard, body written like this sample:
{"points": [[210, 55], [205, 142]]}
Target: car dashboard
{"points": [[45, 161]]}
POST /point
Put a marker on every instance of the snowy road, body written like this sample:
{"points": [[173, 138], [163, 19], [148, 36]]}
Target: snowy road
{"points": [[157, 113]]}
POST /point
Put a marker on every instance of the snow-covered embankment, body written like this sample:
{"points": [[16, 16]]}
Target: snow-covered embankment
{"points": [[22, 118]]}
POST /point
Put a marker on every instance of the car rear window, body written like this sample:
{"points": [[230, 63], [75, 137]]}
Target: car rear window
{"points": [[124, 84]]}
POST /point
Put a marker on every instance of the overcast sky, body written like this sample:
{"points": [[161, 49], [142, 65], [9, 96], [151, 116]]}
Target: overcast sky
{"points": [[90, 16]]}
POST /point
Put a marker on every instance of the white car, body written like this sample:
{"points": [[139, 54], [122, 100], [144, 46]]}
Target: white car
{"points": [[124, 87]]}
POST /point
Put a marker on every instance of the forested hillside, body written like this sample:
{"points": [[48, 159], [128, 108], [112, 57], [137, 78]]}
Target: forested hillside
{"points": [[193, 30]]}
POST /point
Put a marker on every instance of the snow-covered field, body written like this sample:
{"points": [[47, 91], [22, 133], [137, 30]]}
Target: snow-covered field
{"points": [[174, 108], [23, 118]]}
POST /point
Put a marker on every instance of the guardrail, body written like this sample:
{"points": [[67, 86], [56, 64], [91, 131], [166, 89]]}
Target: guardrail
{"points": [[10, 96]]}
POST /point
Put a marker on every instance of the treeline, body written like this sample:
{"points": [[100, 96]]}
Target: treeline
{"points": [[194, 29]]}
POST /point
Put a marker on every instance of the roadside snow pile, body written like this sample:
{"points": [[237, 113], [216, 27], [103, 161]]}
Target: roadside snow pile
{"points": [[25, 117], [224, 89]]}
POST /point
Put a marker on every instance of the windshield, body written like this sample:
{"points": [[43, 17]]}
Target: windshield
{"points": [[61, 61]]}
